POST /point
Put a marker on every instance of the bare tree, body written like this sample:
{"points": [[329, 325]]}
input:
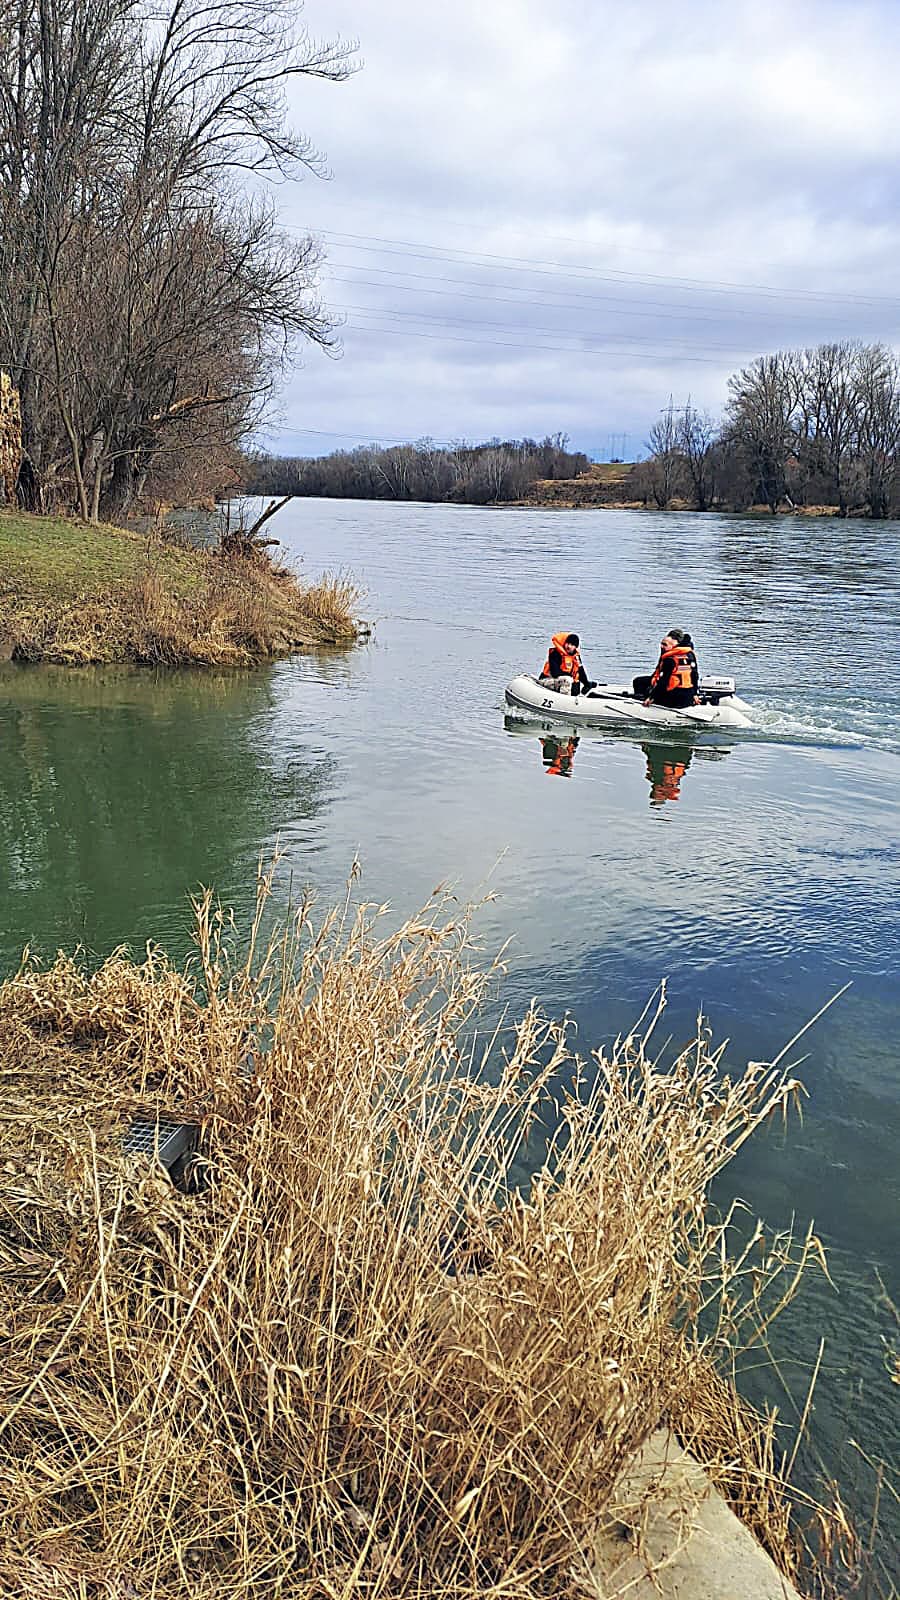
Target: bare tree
{"points": [[139, 295], [761, 408], [665, 461], [877, 392], [695, 436], [63, 97], [826, 423], [214, 75]]}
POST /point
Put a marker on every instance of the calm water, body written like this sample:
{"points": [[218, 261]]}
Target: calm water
{"points": [[759, 874]]}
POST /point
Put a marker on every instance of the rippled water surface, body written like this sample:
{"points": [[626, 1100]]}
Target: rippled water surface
{"points": [[759, 873]]}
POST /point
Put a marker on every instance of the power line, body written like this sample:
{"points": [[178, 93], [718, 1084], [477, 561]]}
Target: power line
{"points": [[491, 227], [535, 349], [381, 439], [499, 327], [614, 275], [365, 438], [658, 309]]}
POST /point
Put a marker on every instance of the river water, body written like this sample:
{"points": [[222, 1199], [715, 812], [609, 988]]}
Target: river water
{"points": [[758, 873]]}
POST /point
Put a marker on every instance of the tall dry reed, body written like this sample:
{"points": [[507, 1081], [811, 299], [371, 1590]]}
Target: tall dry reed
{"points": [[355, 1359]]}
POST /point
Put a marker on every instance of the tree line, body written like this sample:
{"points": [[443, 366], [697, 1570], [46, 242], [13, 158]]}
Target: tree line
{"points": [[146, 300], [801, 428], [470, 474]]}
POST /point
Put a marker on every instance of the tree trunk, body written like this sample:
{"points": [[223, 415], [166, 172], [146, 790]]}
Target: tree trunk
{"points": [[28, 488], [95, 491], [120, 493]]}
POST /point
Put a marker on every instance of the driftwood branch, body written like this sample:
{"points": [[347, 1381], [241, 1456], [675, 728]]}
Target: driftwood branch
{"points": [[246, 541], [271, 508]]}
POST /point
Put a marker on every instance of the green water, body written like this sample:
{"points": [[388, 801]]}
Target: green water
{"points": [[758, 874], [123, 792]]}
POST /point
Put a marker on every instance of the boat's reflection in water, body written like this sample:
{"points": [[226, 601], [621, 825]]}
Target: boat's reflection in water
{"points": [[558, 753], [667, 761]]}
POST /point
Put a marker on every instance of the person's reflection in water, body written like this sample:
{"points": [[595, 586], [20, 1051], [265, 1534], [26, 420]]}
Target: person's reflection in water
{"points": [[666, 766], [559, 755]]}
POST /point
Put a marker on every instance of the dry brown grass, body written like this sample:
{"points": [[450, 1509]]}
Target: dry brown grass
{"points": [[237, 615], [357, 1361], [245, 611]]}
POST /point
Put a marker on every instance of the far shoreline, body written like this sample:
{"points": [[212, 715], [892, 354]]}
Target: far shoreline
{"points": [[756, 511]]}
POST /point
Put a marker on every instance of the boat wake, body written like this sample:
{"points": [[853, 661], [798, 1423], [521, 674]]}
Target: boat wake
{"points": [[869, 724]]}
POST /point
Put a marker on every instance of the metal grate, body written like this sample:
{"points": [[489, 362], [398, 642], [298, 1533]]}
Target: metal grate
{"points": [[162, 1138]]}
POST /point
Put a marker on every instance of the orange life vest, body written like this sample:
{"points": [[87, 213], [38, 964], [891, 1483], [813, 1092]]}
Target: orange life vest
{"points": [[682, 672], [571, 660]]}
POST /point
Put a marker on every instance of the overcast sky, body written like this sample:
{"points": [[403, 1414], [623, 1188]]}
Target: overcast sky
{"points": [[549, 217]]}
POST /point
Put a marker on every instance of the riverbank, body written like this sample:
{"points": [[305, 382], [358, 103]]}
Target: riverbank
{"points": [[622, 486], [328, 1347], [76, 594]]}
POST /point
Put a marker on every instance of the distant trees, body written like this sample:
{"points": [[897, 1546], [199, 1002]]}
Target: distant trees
{"points": [[819, 426], [664, 467], [484, 474], [760, 413], [145, 302], [681, 458], [695, 439], [878, 434]]}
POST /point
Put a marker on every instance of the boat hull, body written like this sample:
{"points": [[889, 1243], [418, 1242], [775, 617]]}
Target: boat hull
{"points": [[611, 705]]}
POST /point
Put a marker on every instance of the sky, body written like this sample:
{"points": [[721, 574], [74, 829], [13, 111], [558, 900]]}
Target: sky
{"points": [[549, 218]]}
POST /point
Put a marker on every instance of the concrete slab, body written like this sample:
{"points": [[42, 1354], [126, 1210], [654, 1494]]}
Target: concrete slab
{"points": [[673, 1537]]}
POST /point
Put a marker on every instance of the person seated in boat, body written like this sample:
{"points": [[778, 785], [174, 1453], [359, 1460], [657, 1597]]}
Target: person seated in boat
{"points": [[562, 671], [675, 680]]}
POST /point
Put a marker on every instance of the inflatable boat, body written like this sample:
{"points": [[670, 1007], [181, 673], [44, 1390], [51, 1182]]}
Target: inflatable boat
{"points": [[608, 704]]}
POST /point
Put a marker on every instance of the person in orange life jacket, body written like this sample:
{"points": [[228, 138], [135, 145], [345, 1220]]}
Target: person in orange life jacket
{"points": [[558, 755], [562, 669], [665, 769], [675, 680]]}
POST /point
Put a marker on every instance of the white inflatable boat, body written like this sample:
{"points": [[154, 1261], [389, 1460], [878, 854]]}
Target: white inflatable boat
{"points": [[612, 703]]}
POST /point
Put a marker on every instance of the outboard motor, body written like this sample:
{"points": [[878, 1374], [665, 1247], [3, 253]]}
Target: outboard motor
{"points": [[713, 690]]}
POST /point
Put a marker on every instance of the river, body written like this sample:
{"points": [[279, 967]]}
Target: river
{"points": [[758, 873]]}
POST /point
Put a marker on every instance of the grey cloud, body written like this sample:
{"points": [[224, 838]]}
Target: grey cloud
{"points": [[712, 144]]}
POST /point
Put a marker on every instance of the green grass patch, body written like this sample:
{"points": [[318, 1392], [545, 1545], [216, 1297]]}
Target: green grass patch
{"points": [[53, 558]]}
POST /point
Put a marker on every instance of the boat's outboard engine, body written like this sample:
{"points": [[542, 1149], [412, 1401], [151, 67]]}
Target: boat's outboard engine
{"points": [[712, 690]]}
